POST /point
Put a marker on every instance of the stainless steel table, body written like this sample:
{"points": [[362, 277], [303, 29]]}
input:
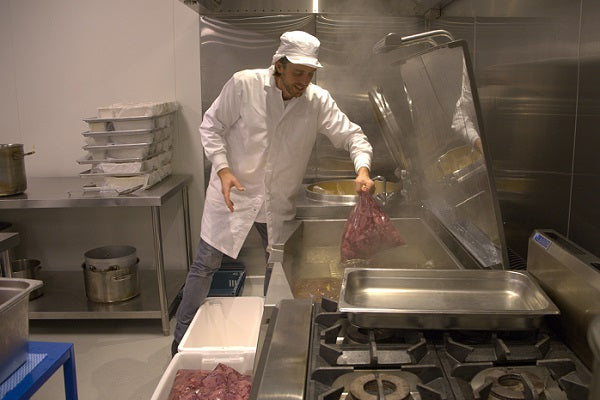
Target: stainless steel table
{"points": [[62, 298]]}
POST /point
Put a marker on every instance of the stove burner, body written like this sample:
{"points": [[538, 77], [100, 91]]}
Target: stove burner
{"points": [[471, 337], [361, 335], [379, 386], [511, 383]]}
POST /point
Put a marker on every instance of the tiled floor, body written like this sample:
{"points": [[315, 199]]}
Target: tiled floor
{"points": [[115, 359]]}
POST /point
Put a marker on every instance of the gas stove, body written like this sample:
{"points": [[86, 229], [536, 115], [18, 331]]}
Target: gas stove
{"points": [[346, 362]]}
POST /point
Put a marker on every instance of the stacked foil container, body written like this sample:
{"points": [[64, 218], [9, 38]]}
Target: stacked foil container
{"points": [[129, 146]]}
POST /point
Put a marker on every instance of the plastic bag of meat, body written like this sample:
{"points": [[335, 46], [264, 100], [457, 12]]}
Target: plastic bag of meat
{"points": [[222, 383], [368, 231]]}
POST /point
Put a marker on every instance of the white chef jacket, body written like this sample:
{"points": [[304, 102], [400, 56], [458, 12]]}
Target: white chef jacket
{"points": [[267, 147], [464, 120]]}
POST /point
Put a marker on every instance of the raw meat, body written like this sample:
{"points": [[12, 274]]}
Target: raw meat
{"points": [[222, 383], [368, 230]]}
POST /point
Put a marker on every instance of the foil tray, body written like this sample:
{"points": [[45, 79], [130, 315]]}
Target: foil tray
{"points": [[443, 299]]}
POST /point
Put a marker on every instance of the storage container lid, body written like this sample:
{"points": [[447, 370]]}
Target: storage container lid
{"points": [[427, 108]]}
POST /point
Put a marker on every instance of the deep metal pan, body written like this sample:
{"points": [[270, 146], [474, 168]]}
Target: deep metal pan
{"points": [[443, 299]]}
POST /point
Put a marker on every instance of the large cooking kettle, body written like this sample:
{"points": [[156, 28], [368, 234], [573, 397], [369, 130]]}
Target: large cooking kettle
{"points": [[12, 169]]}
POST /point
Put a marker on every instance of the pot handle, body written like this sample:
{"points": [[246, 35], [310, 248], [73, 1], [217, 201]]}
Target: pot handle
{"points": [[122, 277], [17, 156]]}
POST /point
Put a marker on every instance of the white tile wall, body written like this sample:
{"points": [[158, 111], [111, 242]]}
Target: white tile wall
{"points": [[62, 59]]}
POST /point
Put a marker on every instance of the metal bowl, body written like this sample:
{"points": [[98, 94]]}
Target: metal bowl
{"points": [[343, 191]]}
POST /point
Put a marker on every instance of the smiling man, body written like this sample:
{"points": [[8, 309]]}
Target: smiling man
{"points": [[292, 79], [259, 134]]}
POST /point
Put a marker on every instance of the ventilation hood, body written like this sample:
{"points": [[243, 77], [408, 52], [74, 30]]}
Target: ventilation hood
{"points": [[349, 7]]}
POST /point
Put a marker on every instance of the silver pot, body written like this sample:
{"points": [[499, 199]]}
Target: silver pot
{"points": [[111, 285], [12, 169], [110, 257]]}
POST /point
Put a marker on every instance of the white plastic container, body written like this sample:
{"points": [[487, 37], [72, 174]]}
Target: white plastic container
{"points": [[223, 324], [240, 360]]}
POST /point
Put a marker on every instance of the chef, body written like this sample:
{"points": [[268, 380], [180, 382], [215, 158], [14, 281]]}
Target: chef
{"points": [[259, 134]]}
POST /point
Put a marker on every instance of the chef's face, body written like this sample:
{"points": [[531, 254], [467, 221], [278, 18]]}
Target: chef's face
{"points": [[293, 79]]}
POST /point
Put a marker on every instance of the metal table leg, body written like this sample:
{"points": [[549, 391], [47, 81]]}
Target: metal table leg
{"points": [[7, 242], [186, 225], [160, 269], [70, 376], [6, 264]]}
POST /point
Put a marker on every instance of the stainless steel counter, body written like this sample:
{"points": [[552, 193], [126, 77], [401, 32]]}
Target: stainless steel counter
{"points": [[66, 192], [280, 371]]}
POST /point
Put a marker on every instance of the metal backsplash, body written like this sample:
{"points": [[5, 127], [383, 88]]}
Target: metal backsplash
{"points": [[232, 43], [338, 7], [537, 66]]}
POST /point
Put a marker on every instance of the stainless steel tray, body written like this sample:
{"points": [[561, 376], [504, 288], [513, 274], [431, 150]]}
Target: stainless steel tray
{"points": [[443, 299], [14, 307]]}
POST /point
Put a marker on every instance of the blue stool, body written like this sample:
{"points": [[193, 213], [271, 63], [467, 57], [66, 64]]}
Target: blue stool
{"points": [[43, 360]]}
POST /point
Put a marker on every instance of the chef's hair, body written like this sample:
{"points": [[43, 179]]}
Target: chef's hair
{"points": [[283, 60]]}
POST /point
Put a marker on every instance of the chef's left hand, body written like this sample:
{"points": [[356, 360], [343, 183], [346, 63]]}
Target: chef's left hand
{"points": [[364, 182]]}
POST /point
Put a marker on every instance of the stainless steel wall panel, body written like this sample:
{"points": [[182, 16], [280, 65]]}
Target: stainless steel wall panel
{"points": [[514, 8], [528, 137], [526, 72], [349, 73], [238, 7], [585, 213], [532, 199], [584, 227], [587, 138], [339, 7], [378, 7], [230, 44], [460, 28]]}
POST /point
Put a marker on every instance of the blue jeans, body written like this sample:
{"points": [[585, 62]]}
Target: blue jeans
{"points": [[198, 281]]}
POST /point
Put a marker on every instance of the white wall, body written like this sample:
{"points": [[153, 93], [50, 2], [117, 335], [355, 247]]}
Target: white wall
{"points": [[62, 59]]}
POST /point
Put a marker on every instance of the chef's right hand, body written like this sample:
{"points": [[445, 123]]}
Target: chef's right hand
{"points": [[228, 180]]}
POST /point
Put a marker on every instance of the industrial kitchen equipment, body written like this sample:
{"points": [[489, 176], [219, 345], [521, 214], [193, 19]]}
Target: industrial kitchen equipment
{"points": [[14, 304], [443, 203], [441, 318], [570, 275], [333, 359]]}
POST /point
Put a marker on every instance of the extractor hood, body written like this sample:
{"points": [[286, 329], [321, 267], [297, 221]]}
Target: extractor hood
{"points": [[348, 7]]}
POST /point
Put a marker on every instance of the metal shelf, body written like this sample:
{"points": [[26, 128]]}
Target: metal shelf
{"points": [[64, 297]]}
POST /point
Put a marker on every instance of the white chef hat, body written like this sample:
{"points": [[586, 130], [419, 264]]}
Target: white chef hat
{"points": [[299, 48]]}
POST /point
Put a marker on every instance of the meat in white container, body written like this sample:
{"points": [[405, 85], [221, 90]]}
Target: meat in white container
{"points": [[240, 360]]}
